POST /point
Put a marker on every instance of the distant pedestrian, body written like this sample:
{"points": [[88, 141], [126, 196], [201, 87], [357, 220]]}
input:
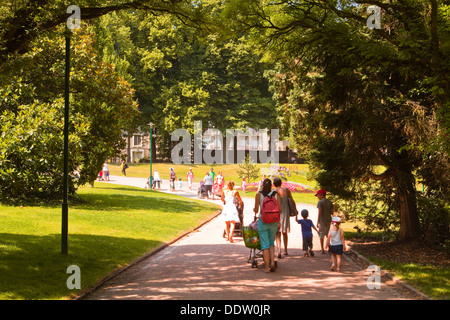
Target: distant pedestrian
{"points": [[190, 178], [157, 180], [230, 212], [260, 186], [244, 184], [307, 236], [105, 172], [172, 177], [180, 184], [212, 174], [208, 184], [324, 217], [336, 243], [124, 167], [220, 181]]}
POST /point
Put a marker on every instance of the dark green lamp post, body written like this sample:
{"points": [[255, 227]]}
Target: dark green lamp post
{"points": [[151, 154], [73, 22], [65, 204]]}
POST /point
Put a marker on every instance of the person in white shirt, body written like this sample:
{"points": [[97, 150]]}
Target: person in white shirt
{"points": [[208, 184], [190, 178], [156, 180]]}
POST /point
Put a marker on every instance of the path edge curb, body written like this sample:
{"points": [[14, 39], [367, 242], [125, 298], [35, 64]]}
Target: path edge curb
{"points": [[115, 273]]}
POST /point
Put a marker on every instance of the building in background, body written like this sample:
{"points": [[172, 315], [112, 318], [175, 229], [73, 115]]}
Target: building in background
{"points": [[137, 145]]}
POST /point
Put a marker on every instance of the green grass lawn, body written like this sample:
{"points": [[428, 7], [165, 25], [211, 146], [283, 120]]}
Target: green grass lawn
{"points": [[109, 227], [430, 280]]}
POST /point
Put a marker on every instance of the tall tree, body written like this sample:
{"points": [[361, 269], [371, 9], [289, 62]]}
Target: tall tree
{"points": [[358, 98], [181, 76], [23, 21], [32, 115]]}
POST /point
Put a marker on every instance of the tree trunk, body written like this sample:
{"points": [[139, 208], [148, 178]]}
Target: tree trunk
{"points": [[406, 196]]}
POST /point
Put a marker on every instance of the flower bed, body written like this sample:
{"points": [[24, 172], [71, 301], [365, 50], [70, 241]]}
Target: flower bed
{"points": [[294, 187]]}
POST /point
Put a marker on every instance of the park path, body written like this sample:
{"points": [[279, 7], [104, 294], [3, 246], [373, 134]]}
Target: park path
{"points": [[203, 266]]}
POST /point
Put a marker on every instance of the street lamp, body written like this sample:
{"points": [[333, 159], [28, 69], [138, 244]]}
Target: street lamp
{"points": [[65, 204], [151, 144], [73, 22]]}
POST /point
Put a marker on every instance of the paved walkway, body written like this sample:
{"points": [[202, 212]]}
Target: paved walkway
{"points": [[203, 266]]}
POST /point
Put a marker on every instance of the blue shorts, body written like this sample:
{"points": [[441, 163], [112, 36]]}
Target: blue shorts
{"points": [[337, 249], [267, 232]]}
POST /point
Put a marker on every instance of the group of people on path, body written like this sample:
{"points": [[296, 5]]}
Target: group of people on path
{"points": [[213, 184], [103, 175], [271, 234], [210, 180]]}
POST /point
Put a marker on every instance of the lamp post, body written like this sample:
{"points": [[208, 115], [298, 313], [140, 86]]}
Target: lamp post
{"points": [[65, 204], [73, 22], [151, 154]]}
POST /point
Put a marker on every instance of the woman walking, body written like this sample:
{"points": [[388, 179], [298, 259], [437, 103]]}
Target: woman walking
{"points": [[190, 178], [285, 225], [229, 212], [172, 178], [267, 231]]}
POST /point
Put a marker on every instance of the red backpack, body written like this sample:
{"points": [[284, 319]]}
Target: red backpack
{"points": [[270, 212]]}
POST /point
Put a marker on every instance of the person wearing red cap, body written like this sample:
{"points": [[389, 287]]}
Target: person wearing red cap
{"points": [[324, 218]]}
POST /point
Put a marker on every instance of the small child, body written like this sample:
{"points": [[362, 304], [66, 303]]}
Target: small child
{"points": [[336, 243], [180, 184], [306, 232]]}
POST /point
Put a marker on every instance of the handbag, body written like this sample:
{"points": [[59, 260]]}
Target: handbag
{"points": [[292, 207]]}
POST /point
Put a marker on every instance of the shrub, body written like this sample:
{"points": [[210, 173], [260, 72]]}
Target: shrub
{"points": [[434, 219]]}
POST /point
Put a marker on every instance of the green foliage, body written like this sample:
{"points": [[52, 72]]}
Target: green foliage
{"points": [[30, 151], [24, 21], [435, 219], [248, 169], [181, 77], [101, 105], [354, 98]]}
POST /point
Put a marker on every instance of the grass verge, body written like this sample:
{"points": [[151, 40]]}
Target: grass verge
{"points": [[422, 267]]}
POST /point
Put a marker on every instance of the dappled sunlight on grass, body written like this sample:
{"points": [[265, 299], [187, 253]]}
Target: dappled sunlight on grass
{"points": [[109, 226]]}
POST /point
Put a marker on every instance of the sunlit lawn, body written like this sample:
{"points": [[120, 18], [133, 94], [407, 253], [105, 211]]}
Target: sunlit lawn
{"points": [[432, 280], [110, 227]]}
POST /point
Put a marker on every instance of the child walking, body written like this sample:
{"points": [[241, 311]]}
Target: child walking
{"points": [[307, 233], [336, 243]]}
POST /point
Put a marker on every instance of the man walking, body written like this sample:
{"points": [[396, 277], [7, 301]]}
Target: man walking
{"points": [[324, 218]]}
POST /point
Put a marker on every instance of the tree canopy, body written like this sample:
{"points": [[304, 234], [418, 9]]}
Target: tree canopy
{"points": [[181, 76], [25, 20], [32, 108], [368, 107]]}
